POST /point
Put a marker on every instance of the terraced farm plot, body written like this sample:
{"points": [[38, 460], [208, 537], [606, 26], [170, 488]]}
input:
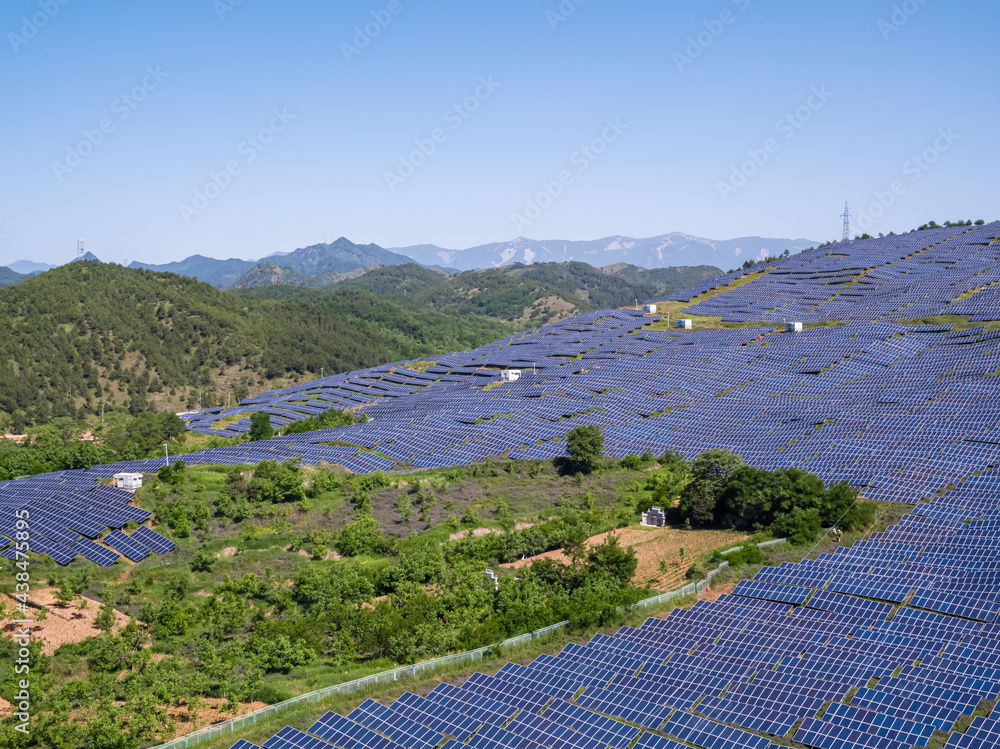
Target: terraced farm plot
{"points": [[653, 545]]}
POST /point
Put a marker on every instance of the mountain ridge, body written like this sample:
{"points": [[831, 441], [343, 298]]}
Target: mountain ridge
{"points": [[337, 257], [675, 249], [662, 251]]}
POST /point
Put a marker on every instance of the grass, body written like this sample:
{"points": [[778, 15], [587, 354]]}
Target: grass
{"points": [[673, 309], [961, 322]]}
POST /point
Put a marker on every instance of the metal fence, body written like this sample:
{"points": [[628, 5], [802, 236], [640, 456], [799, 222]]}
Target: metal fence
{"points": [[358, 685], [424, 667]]}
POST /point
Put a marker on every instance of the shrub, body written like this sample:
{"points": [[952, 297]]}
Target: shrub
{"points": [[631, 462], [203, 560], [799, 524]]}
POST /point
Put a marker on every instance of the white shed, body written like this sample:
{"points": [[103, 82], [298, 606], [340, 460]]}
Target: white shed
{"points": [[793, 327], [686, 324], [510, 375], [649, 309], [128, 481]]}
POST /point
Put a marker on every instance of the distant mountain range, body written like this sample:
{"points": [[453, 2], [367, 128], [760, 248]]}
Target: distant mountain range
{"points": [[337, 258], [667, 250], [272, 274], [322, 264], [27, 267]]}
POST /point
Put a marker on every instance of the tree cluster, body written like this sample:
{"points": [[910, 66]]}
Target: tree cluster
{"points": [[790, 502]]}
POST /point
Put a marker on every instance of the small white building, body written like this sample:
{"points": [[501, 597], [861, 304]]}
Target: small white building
{"points": [[510, 375], [649, 309], [793, 327], [654, 517], [685, 324], [128, 481]]}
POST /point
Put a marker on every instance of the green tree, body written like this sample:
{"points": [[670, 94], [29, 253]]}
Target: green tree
{"points": [[260, 427], [361, 537], [405, 507], [610, 558], [846, 510], [800, 524], [240, 392], [203, 560], [709, 473], [665, 484], [105, 620], [574, 543], [585, 446]]}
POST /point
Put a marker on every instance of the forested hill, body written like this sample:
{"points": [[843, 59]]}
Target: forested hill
{"points": [[529, 293], [9, 277], [87, 333]]}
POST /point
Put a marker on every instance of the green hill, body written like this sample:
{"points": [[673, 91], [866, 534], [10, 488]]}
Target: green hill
{"points": [[87, 334], [9, 277], [528, 293]]}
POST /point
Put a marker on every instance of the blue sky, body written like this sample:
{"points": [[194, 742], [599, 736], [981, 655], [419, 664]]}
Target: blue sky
{"points": [[729, 118]]}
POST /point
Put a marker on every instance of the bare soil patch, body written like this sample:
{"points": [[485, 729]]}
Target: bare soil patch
{"points": [[653, 545], [210, 712], [710, 594], [64, 625], [486, 531]]}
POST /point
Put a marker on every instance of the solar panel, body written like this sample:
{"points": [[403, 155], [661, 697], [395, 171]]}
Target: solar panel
{"points": [[94, 552], [152, 540], [130, 547]]}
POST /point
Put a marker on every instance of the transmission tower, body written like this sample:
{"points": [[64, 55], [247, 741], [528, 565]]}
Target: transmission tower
{"points": [[80, 249], [847, 222]]}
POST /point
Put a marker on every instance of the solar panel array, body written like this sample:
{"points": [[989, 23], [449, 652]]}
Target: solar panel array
{"points": [[900, 412], [771, 661], [67, 514], [944, 271]]}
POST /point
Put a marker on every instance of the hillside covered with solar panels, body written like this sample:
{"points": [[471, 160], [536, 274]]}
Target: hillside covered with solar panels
{"points": [[899, 410], [889, 644]]}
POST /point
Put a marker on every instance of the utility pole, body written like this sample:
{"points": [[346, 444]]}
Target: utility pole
{"points": [[166, 452]]}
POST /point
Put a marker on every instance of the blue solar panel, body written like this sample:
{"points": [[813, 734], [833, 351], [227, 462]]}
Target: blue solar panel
{"points": [[130, 547], [152, 540]]}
